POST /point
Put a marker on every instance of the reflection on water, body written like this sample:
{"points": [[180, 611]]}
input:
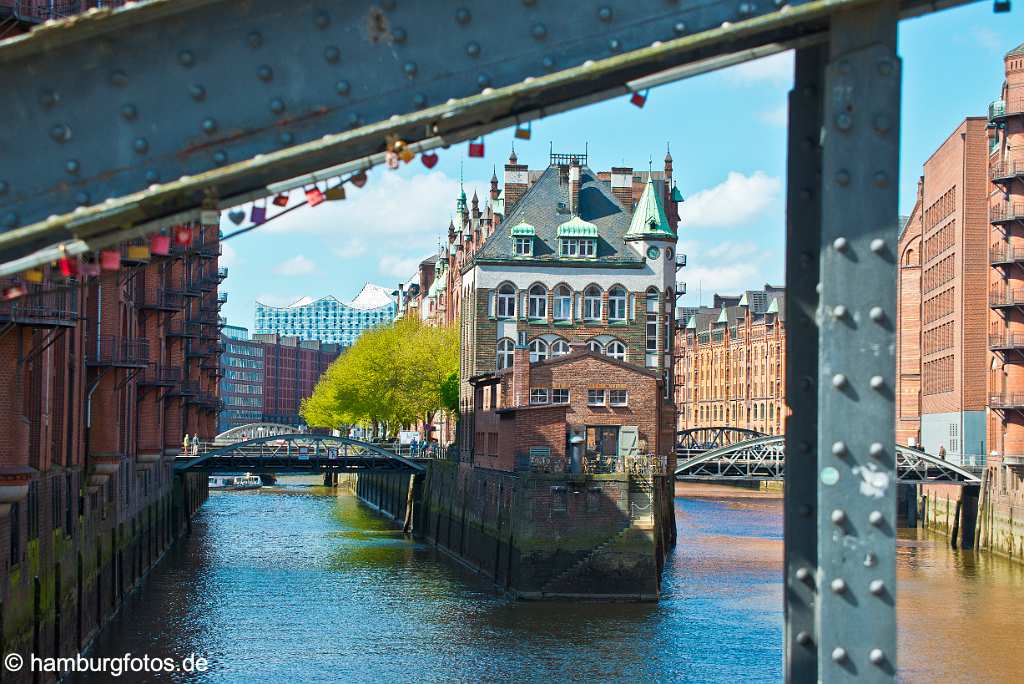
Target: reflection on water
{"points": [[297, 585]]}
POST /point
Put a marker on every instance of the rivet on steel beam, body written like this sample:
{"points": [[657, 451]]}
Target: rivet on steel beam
{"points": [[877, 382], [839, 311], [60, 133], [220, 156], [353, 120], [398, 35], [876, 587], [539, 31], [409, 68], [10, 219], [839, 381], [265, 73], [209, 125], [876, 449], [322, 20], [473, 49], [419, 100], [875, 518], [48, 98], [745, 8], [3, 187], [880, 179], [877, 314], [839, 654], [803, 638], [839, 448], [838, 585], [614, 45], [870, 560], [72, 166], [186, 58], [286, 138], [129, 112], [843, 177], [876, 656], [152, 176], [679, 28], [462, 15], [119, 79], [255, 39], [548, 62], [844, 121], [840, 244], [604, 13], [342, 87], [838, 517], [882, 123], [806, 383], [140, 145], [805, 447], [803, 574], [877, 245], [332, 54], [483, 80], [82, 198], [277, 105], [197, 91]]}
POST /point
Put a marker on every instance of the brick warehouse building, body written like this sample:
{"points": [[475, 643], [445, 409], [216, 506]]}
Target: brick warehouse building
{"points": [[103, 375], [291, 368], [730, 363]]}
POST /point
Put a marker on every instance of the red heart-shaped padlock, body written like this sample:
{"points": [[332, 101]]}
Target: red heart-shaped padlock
{"points": [[429, 159]]}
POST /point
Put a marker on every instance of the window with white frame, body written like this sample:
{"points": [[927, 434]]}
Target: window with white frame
{"points": [[595, 346], [595, 397], [559, 348], [617, 304], [652, 329], [618, 397], [538, 350], [538, 396], [523, 246], [616, 350], [505, 347], [538, 302], [563, 303], [560, 395], [592, 303], [506, 301], [577, 247]]}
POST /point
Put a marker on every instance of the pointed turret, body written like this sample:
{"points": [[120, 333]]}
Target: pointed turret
{"points": [[649, 218]]}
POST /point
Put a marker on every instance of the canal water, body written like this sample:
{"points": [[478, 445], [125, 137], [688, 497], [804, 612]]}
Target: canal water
{"points": [[301, 584]]}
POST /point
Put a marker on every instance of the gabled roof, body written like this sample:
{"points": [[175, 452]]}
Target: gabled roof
{"points": [[1019, 50], [544, 206], [649, 219]]}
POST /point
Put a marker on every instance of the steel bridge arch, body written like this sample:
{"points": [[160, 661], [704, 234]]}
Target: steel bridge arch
{"points": [[693, 441], [269, 429], [268, 451], [764, 458]]}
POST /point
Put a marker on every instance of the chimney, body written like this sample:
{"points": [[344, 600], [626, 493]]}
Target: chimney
{"points": [[574, 187], [622, 185], [521, 372], [517, 182]]}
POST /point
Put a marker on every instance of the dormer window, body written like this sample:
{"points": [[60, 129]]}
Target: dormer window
{"points": [[577, 247], [577, 239], [523, 246], [523, 235]]}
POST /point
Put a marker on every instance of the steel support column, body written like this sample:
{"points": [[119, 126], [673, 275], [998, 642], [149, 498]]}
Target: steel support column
{"points": [[803, 243], [856, 614]]}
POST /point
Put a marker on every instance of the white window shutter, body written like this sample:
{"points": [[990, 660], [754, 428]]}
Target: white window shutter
{"points": [[629, 440], [491, 304]]}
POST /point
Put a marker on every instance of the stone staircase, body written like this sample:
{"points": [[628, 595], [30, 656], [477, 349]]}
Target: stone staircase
{"points": [[573, 569]]}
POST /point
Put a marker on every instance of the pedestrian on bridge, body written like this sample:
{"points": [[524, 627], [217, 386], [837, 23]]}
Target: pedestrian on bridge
{"points": [[184, 444]]}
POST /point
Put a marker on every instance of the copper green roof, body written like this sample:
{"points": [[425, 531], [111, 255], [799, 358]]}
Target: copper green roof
{"points": [[523, 230], [774, 308], [676, 195], [649, 219], [723, 317], [692, 323], [577, 227], [1019, 50]]}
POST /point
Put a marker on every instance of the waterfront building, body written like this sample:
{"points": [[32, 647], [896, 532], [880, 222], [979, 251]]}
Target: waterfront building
{"points": [[328, 319], [102, 374], [730, 363], [291, 369], [241, 384]]}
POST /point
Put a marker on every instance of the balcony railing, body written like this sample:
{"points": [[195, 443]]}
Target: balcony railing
{"points": [[118, 352], [1002, 253], [183, 329], [1007, 400], [42, 306], [1007, 297], [207, 400], [1006, 341], [162, 299], [185, 388], [1005, 213], [1006, 170], [209, 250], [222, 297], [1000, 109], [156, 375]]}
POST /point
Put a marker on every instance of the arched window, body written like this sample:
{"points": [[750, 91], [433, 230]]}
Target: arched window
{"points": [[617, 304], [505, 346], [563, 303], [559, 348], [538, 300], [595, 346], [616, 350], [538, 350], [506, 302], [592, 303]]}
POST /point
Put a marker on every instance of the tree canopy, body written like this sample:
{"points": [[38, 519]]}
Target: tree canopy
{"points": [[391, 376]]}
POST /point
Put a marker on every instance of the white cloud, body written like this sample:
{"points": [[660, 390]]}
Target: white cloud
{"points": [[398, 267], [777, 116], [350, 250], [296, 266], [273, 299], [723, 279], [229, 256], [776, 68], [735, 201], [734, 251], [988, 39]]}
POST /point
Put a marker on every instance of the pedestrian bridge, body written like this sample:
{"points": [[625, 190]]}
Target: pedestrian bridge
{"points": [[764, 459], [296, 453]]}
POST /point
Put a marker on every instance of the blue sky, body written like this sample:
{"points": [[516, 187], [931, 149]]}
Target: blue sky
{"points": [[727, 134]]}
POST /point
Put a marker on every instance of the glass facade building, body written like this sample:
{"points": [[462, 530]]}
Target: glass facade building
{"points": [[328, 319]]}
